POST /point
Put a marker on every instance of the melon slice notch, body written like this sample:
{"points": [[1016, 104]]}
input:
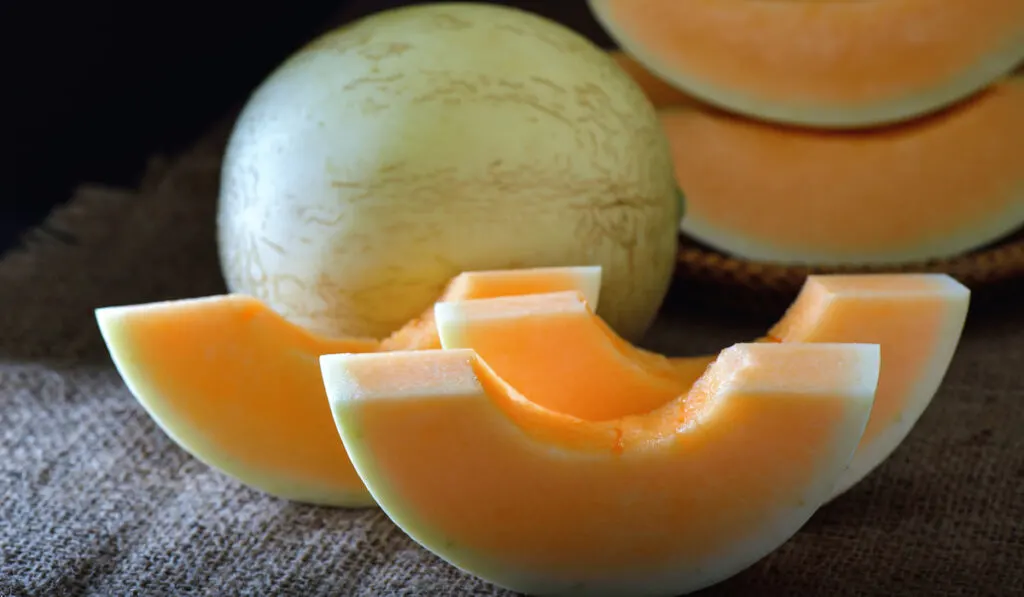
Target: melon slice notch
{"points": [[239, 388], [917, 320], [546, 344], [659, 504]]}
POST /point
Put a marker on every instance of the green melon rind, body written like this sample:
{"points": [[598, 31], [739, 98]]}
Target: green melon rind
{"points": [[989, 69], [733, 243], [681, 196]]}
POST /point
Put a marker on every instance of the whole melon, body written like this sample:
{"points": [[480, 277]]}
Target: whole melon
{"points": [[388, 156]]}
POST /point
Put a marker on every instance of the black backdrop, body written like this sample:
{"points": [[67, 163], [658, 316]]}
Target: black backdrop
{"points": [[95, 86]]}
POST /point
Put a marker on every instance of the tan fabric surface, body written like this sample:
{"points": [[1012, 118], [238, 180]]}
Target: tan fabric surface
{"points": [[96, 500]]}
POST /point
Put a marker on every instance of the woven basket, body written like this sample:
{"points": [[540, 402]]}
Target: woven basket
{"points": [[727, 282]]}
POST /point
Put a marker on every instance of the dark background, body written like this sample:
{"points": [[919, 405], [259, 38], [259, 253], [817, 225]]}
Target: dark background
{"points": [[99, 85]]}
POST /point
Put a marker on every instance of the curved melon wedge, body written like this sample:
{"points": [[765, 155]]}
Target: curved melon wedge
{"points": [[544, 503], [928, 189], [917, 320], [824, 64], [239, 388], [236, 386]]}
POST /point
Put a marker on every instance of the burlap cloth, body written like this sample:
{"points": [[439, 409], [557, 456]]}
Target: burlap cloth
{"points": [[96, 500]]}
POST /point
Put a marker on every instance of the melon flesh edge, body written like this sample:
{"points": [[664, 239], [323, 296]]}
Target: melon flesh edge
{"points": [[521, 338], [585, 279], [543, 503], [238, 387], [803, 109], [421, 334], [916, 318]]}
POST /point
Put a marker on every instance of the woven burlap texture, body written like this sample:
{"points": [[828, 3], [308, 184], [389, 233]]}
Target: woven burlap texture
{"points": [[97, 501]]}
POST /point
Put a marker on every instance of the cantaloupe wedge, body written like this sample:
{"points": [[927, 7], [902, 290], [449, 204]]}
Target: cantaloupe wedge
{"points": [[916, 319], [828, 63], [238, 387], [947, 183], [421, 333], [932, 188], [545, 503]]}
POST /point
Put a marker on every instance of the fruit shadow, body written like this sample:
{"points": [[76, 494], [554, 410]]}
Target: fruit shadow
{"points": [[689, 325]]}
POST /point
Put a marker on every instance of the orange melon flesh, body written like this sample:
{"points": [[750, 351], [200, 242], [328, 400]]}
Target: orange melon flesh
{"points": [[822, 63], [239, 388], [421, 334], [933, 188], [236, 386], [917, 320], [545, 503], [536, 342]]}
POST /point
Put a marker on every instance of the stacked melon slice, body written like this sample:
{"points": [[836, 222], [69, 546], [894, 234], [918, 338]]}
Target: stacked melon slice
{"points": [[514, 434], [836, 132]]}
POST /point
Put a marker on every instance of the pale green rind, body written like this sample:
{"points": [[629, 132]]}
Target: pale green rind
{"points": [[344, 399], [551, 156], [807, 113], [183, 432], [970, 237]]}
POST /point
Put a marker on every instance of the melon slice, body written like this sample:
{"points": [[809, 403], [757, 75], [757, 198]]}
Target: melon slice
{"points": [[421, 333], [827, 63], [917, 320], [239, 388], [933, 188], [545, 503]]}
